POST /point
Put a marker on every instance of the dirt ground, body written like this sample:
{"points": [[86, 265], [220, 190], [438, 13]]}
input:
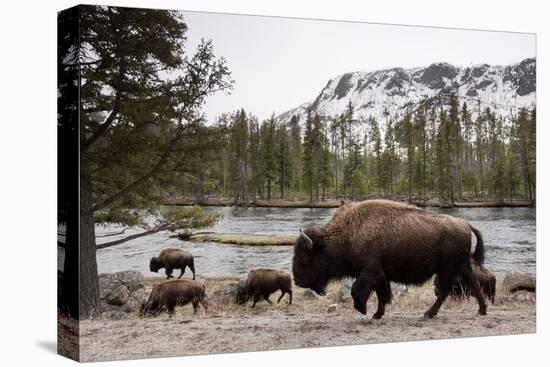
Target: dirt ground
{"points": [[304, 324]]}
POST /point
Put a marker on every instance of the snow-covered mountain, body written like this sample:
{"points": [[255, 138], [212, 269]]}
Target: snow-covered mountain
{"points": [[390, 92]]}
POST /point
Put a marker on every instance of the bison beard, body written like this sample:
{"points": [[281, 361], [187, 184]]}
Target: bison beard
{"points": [[379, 241]]}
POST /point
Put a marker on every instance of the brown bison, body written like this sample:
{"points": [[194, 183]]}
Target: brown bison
{"points": [[378, 241], [170, 259], [264, 282], [172, 293], [485, 278]]}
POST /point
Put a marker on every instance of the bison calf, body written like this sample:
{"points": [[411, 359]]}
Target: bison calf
{"points": [[168, 295], [170, 259], [264, 282], [485, 278]]}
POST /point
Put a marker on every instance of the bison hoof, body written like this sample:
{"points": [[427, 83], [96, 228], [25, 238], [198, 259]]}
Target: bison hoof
{"points": [[377, 316], [362, 309], [482, 312], [428, 315]]}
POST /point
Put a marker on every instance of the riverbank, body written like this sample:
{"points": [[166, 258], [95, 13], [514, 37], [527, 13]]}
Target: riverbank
{"points": [[304, 324], [243, 239], [335, 203]]}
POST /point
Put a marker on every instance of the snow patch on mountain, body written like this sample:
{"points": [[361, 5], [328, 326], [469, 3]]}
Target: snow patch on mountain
{"points": [[389, 93]]}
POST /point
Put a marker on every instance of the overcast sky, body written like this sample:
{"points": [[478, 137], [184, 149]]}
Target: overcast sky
{"points": [[280, 63]]}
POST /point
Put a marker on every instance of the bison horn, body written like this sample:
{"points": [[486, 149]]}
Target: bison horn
{"points": [[308, 240]]}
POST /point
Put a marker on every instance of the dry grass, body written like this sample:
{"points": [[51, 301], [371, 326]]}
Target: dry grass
{"points": [[239, 328], [245, 239]]}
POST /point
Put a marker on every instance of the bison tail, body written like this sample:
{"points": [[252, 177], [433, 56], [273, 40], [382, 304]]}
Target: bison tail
{"points": [[479, 253]]}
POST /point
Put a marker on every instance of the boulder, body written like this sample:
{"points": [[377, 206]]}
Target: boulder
{"points": [[398, 289], [121, 292], [118, 296], [518, 297], [309, 294], [517, 281], [227, 294], [331, 308], [344, 293]]}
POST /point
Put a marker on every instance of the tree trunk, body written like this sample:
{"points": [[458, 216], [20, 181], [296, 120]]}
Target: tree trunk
{"points": [[89, 284]]}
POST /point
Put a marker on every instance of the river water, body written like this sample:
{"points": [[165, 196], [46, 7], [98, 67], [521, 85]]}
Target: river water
{"points": [[509, 236]]}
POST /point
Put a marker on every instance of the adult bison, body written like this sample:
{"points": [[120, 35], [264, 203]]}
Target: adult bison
{"points": [[264, 282], [170, 259], [169, 294], [378, 241]]}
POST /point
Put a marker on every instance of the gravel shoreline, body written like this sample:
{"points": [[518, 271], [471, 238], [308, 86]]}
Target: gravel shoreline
{"points": [[304, 324]]}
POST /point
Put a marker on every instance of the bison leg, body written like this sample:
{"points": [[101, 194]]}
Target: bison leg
{"points": [[256, 299], [472, 282], [169, 273], [383, 293], [266, 297], [192, 268], [360, 292], [182, 271], [171, 311], [281, 297], [445, 284], [195, 306]]}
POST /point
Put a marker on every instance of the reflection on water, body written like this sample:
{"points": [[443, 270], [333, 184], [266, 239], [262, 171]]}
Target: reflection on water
{"points": [[509, 235]]}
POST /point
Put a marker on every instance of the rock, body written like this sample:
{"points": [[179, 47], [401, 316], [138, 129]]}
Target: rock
{"points": [[398, 289], [516, 281], [331, 308], [135, 299], [115, 315], [344, 293], [120, 292], [521, 297], [118, 296], [227, 294], [309, 294]]}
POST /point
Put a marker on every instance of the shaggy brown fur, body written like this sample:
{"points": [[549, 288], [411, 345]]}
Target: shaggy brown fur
{"points": [[170, 259], [459, 289], [264, 282], [172, 293], [379, 241]]}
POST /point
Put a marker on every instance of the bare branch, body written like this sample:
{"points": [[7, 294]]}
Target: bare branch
{"points": [[132, 237], [112, 234]]}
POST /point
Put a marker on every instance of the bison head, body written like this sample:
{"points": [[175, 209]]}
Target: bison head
{"points": [[154, 265], [311, 263]]}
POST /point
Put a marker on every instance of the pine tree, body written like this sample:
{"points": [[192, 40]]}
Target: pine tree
{"points": [[135, 122], [308, 168], [295, 148], [239, 155], [284, 167], [325, 169], [268, 154], [455, 143], [377, 151], [255, 159], [410, 148]]}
